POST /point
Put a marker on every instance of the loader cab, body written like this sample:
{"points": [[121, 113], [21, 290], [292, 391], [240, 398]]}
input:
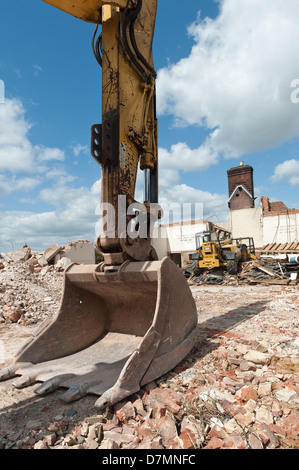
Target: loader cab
{"points": [[204, 237]]}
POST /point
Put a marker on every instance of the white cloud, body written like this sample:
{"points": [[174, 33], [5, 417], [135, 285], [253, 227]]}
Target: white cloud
{"points": [[213, 205], [287, 171], [24, 167], [2, 92], [77, 149], [5, 187], [60, 175], [237, 78], [73, 218], [182, 158], [37, 69], [24, 184], [17, 153], [45, 154]]}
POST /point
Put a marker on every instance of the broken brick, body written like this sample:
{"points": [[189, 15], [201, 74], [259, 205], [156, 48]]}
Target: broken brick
{"points": [[247, 393], [124, 411], [214, 443]]}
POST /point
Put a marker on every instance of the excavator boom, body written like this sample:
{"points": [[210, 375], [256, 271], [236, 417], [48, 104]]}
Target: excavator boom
{"points": [[87, 10], [132, 318]]}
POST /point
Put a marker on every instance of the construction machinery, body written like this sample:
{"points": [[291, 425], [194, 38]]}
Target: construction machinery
{"points": [[217, 249], [132, 318]]}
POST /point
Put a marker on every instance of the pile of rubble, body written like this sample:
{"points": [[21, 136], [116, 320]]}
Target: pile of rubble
{"points": [[270, 271], [265, 271], [81, 251], [31, 281], [29, 294], [234, 399], [237, 389]]}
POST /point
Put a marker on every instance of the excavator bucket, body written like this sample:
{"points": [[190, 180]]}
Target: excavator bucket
{"points": [[114, 332]]}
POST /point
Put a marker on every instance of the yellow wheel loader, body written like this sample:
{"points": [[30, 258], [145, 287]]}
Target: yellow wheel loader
{"points": [[216, 249], [132, 318]]}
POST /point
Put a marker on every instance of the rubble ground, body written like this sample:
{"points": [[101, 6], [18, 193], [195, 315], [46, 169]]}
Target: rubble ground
{"points": [[237, 389]]}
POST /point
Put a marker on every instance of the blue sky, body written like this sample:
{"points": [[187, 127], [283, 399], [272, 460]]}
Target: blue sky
{"points": [[224, 95]]}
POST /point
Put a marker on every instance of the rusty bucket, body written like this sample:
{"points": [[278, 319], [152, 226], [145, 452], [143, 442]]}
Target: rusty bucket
{"points": [[114, 332]]}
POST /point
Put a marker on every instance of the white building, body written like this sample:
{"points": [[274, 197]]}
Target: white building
{"points": [[270, 224]]}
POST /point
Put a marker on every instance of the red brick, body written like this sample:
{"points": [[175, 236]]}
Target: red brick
{"points": [[239, 443], [291, 425], [268, 438], [138, 405], [217, 431], [11, 313], [277, 430], [214, 443], [167, 398], [242, 175], [227, 443], [109, 426], [146, 430], [187, 440], [247, 393], [166, 427], [124, 411], [158, 409], [149, 444], [254, 442]]}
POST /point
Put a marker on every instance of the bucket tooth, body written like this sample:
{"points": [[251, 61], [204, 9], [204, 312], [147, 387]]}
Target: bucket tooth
{"points": [[51, 385], [24, 381], [74, 393], [48, 386], [12, 371], [113, 333]]}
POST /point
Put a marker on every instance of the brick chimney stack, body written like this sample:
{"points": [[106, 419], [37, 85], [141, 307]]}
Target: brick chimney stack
{"points": [[240, 187]]}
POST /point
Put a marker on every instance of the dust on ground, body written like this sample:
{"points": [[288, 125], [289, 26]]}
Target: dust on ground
{"points": [[234, 321]]}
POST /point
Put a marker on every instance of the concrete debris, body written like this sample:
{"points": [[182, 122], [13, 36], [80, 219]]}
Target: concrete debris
{"points": [[237, 389], [41, 260], [18, 255], [11, 313], [63, 263], [28, 277], [267, 271], [81, 252], [23, 290], [51, 252]]}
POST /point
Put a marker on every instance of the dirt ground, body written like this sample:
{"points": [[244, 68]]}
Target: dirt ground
{"points": [[228, 316]]}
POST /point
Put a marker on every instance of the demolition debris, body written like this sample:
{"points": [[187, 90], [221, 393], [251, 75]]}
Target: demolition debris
{"points": [[81, 251], [237, 389], [266, 271], [31, 281]]}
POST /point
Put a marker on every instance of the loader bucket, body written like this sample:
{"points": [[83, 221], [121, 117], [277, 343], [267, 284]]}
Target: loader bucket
{"points": [[114, 332]]}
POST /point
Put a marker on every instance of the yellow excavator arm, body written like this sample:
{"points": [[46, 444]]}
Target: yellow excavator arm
{"points": [[127, 136], [87, 10]]}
